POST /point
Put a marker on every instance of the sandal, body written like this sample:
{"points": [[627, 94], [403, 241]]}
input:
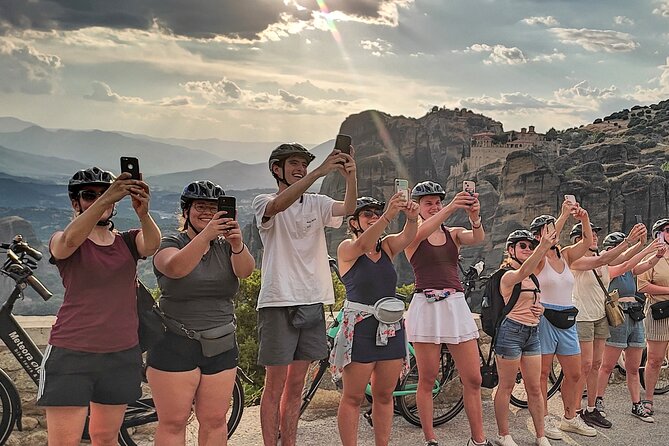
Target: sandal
{"points": [[648, 405]]}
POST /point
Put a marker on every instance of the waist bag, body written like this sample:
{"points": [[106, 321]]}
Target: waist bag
{"points": [[387, 310], [213, 341], [561, 318], [635, 312], [660, 310]]}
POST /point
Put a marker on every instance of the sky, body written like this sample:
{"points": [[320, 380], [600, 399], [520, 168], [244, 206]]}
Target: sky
{"points": [[293, 70]]}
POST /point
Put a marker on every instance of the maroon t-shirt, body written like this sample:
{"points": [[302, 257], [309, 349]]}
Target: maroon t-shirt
{"points": [[436, 266], [99, 311]]}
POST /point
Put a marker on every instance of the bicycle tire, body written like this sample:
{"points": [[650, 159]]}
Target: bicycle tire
{"points": [[448, 401], [140, 421], [313, 379], [10, 405], [662, 385], [555, 377]]}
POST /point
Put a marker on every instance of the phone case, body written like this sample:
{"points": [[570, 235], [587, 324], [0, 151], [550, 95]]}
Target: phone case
{"points": [[131, 165], [343, 143], [228, 204]]}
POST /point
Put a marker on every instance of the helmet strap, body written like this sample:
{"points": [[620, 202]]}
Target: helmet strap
{"points": [[189, 224], [282, 179]]}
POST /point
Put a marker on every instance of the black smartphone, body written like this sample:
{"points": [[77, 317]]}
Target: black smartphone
{"points": [[130, 164], [343, 143], [229, 205], [638, 218]]}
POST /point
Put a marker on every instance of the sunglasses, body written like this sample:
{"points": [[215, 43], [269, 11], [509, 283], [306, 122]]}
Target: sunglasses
{"points": [[665, 230], [526, 245], [89, 195], [369, 213], [204, 207]]}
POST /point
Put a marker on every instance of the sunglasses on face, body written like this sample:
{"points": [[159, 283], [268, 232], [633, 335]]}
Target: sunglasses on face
{"points": [[89, 195], [526, 245], [369, 213], [204, 207], [665, 230]]}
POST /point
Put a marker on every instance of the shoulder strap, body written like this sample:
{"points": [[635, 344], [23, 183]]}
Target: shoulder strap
{"points": [[601, 284]]}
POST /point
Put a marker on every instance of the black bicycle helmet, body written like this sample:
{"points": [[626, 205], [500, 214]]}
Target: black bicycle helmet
{"points": [[93, 176], [539, 222], [520, 235], [659, 226], [367, 202], [613, 239], [200, 190], [290, 149], [577, 230], [427, 188]]}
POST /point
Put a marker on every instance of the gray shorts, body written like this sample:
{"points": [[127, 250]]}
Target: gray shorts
{"points": [[281, 343]]}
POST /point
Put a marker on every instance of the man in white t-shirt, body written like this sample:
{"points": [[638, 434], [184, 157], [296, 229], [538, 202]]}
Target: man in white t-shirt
{"points": [[296, 279]]}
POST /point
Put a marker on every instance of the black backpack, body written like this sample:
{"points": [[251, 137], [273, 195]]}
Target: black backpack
{"points": [[493, 308]]}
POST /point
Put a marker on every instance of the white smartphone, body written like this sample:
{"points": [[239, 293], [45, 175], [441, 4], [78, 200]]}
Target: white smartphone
{"points": [[402, 186], [469, 186], [550, 227], [570, 198]]}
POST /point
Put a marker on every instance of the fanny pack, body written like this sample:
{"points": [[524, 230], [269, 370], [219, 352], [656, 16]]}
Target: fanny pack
{"points": [[213, 341], [432, 295], [387, 310], [306, 316], [660, 310], [561, 318], [635, 312]]}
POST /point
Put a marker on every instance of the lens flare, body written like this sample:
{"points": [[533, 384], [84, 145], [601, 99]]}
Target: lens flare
{"points": [[331, 25]]}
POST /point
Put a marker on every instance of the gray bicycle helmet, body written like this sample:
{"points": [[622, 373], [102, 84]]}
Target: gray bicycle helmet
{"points": [[613, 239], [659, 226], [290, 149], [367, 202], [539, 222], [520, 235], [577, 230], [200, 190], [427, 188], [93, 176]]}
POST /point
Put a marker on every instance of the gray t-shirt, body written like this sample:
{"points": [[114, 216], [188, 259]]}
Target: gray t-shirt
{"points": [[202, 299]]}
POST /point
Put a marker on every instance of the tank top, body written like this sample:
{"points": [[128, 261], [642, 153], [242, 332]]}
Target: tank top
{"points": [[556, 288], [521, 312], [436, 266], [367, 282]]}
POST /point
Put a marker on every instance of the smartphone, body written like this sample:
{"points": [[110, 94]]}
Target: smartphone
{"points": [[402, 186], [550, 227], [570, 198], [229, 205], [343, 143], [469, 186], [638, 218], [130, 164]]}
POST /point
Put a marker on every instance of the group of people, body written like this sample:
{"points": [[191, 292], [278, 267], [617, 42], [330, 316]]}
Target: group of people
{"points": [[93, 361]]}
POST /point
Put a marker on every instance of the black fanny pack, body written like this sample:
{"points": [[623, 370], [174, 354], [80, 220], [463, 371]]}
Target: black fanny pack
{"points": [[306, 316], [660, 310], [561, 318], [635, 312], [213, 341]]}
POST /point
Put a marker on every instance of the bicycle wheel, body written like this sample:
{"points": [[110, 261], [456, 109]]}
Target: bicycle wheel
{"points": [[662, 385], [313, 379], [519, 395], [10, 406], [141, 419], [447, 393]]}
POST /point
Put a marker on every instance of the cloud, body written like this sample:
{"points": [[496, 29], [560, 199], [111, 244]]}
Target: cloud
{"points": [[662, 9], [584, 96], [596, 40], [378, 47], [24, 68], [503, 55], [658, 89], [545, 20], [506, 101], [622, 20], [103, 93]]}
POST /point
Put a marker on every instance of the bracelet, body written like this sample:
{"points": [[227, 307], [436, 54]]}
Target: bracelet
{"points": [[658, 257], [412, 220], [477, 224], [385, 218], [240, 251]]}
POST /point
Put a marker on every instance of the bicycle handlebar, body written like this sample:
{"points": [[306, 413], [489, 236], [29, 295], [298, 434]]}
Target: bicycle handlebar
{"points": [[23, 272]]}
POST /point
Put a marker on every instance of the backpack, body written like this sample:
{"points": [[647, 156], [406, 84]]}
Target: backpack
{"points": [[493, 308]]}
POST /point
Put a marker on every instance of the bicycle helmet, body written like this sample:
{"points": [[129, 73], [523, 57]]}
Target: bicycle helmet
{"points": [[539, 222], [577, 230], [93, 176], [520, 235], [200, 190], [659, 226], [287, 150], [614, 239], [367, 202], [427, 188]]}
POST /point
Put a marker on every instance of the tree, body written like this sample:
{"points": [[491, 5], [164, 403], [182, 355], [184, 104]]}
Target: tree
{"points": [[551, 134]]}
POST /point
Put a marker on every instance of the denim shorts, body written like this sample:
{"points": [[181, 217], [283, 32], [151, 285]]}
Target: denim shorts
{"points": [[515, 339], [558, 341], [628, 334]]}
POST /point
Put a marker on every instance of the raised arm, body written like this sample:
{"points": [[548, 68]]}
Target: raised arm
{"points": [[513, 277], [634, 241], [650, 262], [148, 239], [462, 200], [397, 242], [577, 251], [348, 171], [476, 234]]}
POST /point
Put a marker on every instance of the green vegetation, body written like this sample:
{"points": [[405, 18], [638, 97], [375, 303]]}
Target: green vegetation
{"points": [[665, 167]]}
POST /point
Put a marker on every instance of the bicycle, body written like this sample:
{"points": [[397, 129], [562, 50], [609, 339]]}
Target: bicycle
{"points": [[140, 418], [662, 385]]}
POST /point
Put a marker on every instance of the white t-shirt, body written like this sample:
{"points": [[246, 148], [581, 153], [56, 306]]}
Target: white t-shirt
{"points": [[588, 296], [295, 268]]}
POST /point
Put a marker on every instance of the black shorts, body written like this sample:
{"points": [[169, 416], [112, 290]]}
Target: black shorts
{"points": [[176, 353], [74, 378]]}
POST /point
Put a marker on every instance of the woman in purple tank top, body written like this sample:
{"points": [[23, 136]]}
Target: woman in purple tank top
{"points": [[365, 263], [438, 313]]}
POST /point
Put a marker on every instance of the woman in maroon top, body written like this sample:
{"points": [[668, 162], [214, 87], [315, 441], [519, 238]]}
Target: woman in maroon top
{"points": [[93, 360], [438, 313]]}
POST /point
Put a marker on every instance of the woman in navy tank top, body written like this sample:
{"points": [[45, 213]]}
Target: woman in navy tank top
{"points": [[365, 263], [438, 313]]}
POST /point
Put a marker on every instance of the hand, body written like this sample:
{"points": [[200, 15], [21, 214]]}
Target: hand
{"points": [[537, 309], [655, 245], [463, 200], [348, 168], [140, 197], [120, 188], [636, 232], [233, 233], [334, 161], [395, 204], [217, 226], [474, 210], [662, 250], [548, 239], [411, 210], [569, 208], [581, 215]]}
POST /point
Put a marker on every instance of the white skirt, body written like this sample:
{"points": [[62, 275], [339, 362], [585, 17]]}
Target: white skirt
{"points": [[448, 321]]}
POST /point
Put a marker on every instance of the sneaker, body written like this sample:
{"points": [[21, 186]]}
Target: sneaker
{"points": [[543, 441], [595, 418], [431, 443], [577, 426], [550, 428], [599, 405], [648, 404], [504, 440], [639, 411], [471, 442]]}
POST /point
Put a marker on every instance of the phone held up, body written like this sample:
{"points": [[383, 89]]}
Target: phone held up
{"points": [[130, 164], [550, 227], [343, 144], [229, 205], [638, 219], [402, 186], [469, 187], [570, 198]]}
